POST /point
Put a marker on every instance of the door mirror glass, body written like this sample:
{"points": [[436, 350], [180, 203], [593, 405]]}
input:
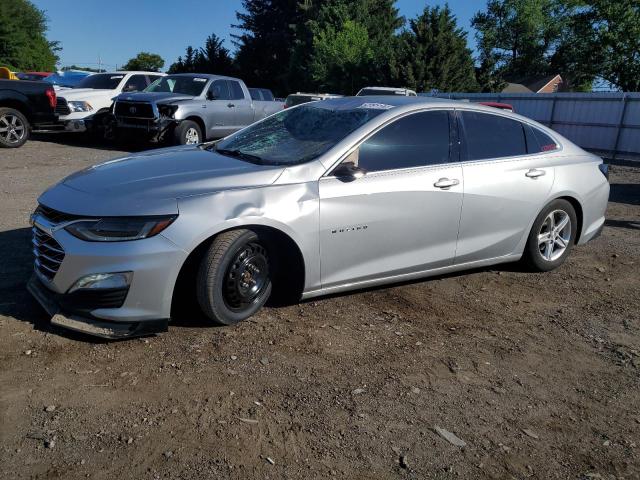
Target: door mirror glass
{"points": [[211, 95]]}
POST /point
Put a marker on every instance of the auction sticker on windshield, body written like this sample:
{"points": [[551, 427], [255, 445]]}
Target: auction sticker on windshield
{"points": [[199, 79], [376, 106]]}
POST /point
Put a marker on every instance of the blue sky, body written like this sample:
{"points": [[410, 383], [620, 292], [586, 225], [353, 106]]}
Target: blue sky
{"points": [[115, 30]]}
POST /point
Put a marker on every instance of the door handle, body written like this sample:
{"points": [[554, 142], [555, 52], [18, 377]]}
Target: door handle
{"points": [[230, 105], [535, 173], [446, 183]]}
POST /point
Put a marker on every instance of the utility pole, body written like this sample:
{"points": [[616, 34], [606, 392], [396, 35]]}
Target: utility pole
{"points": [[99, 63]]}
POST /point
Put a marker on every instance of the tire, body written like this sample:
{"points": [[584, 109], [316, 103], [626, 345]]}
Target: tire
{"points": [[14, 128], [545, 252], [233, 257], [188, 132]]}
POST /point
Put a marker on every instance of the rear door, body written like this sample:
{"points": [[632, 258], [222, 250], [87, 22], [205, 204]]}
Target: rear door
{"points": [[243, 106], [506, 181], [402, 216]]}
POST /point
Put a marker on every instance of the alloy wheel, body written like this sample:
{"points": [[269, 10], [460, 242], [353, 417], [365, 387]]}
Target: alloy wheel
{"points": [[191, 136], [554, 235], [12, 129]]}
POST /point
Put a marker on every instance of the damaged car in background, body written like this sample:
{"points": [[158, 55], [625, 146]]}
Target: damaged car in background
{"points": [[187, 109], [317, 199]]}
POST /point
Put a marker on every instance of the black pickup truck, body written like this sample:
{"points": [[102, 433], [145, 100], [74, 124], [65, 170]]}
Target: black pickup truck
{"points": [[24, 105]]}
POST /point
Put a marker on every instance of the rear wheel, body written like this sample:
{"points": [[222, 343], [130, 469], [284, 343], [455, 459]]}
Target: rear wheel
{"points": [[188, 132], [552, 236], [14, 128], [234, 279]]}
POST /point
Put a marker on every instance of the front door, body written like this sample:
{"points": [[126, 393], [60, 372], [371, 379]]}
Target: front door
{"points": [[402, 216], [220, 112]]}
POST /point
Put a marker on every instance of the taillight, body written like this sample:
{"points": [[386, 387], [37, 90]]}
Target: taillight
{"points": [[51, 95], [604, 168]]}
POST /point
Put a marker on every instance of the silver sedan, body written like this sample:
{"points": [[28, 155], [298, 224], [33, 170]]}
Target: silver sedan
{"points": [[321, 198]]}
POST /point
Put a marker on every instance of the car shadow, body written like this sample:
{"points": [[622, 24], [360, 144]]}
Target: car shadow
{"points": [[628, 224], [94, 141], [628, 193]]}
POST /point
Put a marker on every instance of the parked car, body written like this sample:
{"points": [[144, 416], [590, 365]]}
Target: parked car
{"points": [[24, 105], [88, 104], [503, 106], [189, 108], [34, 76], [317, 199], [67, 78], [263, 101], [300, 98], [369, 91]]}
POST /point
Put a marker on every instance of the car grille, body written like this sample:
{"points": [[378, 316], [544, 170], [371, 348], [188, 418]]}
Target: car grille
{"points": [[54, 216], [134, 110], [62, 108], [83, 300], [48, 253]]}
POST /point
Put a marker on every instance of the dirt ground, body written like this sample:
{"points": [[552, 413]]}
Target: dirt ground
{"points": [[538, 374]]}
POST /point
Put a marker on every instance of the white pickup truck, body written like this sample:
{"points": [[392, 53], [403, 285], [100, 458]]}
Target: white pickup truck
{"points": [[87, 105]]}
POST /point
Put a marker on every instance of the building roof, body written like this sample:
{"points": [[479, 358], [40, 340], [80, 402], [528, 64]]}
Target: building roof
{"points": [[529, 84]]}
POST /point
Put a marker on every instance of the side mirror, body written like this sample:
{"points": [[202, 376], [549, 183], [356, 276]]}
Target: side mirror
{"points": [[349, 171], [211, 95]]}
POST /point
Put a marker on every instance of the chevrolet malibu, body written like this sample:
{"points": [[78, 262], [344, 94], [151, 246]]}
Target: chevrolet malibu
{"points": [[317, 199]]}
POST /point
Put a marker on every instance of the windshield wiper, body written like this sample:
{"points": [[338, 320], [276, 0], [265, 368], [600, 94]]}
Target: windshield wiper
{"points": [[241, 155]]}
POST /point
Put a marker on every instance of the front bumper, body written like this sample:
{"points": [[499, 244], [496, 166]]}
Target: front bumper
{"points": [[154, 128], [144, 307], [52, 304]]}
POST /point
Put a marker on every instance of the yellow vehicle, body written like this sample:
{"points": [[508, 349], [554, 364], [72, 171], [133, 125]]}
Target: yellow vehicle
{"points": [[7, 74]]}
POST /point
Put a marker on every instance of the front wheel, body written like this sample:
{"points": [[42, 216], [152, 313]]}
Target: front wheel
{"points": [[188, 133], [14, 128], [552, 236], [234, 279]]}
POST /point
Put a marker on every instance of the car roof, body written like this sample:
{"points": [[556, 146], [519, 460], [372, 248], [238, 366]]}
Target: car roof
{"points": [[382, 101], [203, 75]]}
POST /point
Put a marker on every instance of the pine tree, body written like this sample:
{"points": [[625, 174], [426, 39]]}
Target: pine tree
{"points": [[434, 54]]}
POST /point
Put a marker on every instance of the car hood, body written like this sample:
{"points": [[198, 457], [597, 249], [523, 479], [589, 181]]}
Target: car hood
{"points": [[154, 97], [85, 93], [150, 183]]}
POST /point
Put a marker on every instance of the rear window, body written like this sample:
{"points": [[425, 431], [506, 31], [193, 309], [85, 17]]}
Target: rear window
{"points": [[492, 136], [267, 95], [255, 94]]}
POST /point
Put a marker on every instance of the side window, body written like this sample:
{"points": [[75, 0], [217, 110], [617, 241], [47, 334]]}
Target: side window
{"points": [[415, 140], [153, 78], [236, 90], [136, 83], [492, 136], [545, 142], [218, 90], [255, 94], [267, 95]]}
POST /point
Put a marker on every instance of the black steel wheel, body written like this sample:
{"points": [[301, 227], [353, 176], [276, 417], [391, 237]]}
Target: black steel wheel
{"points": [[234, 279]]}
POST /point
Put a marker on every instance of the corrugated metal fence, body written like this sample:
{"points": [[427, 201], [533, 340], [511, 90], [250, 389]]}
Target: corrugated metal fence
{"points": [[605, 123]]}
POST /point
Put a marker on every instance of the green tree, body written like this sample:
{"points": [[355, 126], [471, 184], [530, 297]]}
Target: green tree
{"points": [[433, 53], [270, 29], [146, 62], [518, 36], [23, 41], [341, 57], [602, 40]]}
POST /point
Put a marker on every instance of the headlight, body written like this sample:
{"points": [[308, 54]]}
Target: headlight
{"points": [[80, 106], [119, 229], [167, 110]]}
